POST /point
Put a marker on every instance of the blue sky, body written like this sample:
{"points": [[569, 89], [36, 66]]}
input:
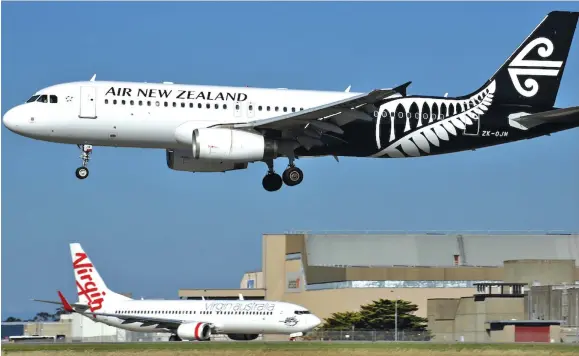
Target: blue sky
{"points": [[151, 230]]}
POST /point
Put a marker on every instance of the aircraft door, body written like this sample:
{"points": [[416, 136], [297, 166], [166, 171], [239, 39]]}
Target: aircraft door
{"points": [[88, 102]]}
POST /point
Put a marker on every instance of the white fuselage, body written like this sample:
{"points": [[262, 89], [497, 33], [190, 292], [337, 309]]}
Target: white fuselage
{"points": [[228, 316], [147, 115]]}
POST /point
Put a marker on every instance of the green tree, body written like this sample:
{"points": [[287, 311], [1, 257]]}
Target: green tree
{"points": [[12, 319], [379, 315]]}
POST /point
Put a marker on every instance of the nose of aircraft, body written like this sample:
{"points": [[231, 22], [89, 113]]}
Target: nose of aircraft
{"points": [[315, 321], [10, 120]]}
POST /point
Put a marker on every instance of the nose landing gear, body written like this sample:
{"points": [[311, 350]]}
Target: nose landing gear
{"points": [[82, 172]]}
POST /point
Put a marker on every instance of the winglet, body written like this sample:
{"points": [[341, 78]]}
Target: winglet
{"points": [[401, 89], [65, 303], [93, 78], [348, 89]]}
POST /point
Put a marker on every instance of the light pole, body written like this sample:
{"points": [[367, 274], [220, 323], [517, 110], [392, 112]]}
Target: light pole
{"points": [[396, 319]]}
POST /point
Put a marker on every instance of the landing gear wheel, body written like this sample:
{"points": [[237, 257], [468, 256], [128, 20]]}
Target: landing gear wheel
{"points": [[174, 338], [272, 182], [293, 176], [81, 172]]}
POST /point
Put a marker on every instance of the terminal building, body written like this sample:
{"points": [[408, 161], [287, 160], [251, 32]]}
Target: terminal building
{"points": [[329, 273]]}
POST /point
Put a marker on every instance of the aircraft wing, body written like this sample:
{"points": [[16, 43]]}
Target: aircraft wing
{"points": [[560, 116], [315, 122]]}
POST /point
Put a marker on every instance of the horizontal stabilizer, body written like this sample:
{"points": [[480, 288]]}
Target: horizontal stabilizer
{"points": [[74, 305], [557, 116]]}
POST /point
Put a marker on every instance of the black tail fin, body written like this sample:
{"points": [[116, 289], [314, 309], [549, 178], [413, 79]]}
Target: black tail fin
{"points": [[532, 74]]}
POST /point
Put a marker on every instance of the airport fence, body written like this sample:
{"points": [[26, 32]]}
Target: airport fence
{"points": [[367, 335]]}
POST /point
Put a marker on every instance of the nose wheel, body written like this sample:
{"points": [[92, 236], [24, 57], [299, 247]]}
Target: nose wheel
{"points": [[82, 172], [292, 176]]}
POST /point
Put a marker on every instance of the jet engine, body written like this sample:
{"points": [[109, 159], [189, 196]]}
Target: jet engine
{"points": [[194, 331], [232, 145], [242, 337], [181, 160]]}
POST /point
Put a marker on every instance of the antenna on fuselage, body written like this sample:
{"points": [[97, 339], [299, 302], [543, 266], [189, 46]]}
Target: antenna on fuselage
{"points": [[93, 77]]}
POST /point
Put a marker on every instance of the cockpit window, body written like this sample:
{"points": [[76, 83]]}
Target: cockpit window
{"points": [[300, 312], [33, 98], [44, 98]]}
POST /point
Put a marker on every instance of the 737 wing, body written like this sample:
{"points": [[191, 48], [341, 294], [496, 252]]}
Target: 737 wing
{"points": [[309, 125]]}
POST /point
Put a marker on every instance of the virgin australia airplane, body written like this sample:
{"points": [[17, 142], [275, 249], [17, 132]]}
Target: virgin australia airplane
{"points": [[219, 129], [191, 320]]}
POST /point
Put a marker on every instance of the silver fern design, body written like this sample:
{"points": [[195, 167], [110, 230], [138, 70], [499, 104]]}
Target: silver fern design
{"points": [[432, 127]]}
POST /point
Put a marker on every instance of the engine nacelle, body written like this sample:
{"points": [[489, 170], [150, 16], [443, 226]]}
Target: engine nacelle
{"points": [[232, 145], [242, 337], [181, 160], [194, 331]]}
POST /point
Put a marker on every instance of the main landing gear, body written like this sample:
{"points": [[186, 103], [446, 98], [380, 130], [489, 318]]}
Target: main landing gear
{"points": [[174, 337], [82, 172], [292, 176]]}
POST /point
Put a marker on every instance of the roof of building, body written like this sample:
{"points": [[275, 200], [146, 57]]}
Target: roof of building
{"points": [[437, 250]]}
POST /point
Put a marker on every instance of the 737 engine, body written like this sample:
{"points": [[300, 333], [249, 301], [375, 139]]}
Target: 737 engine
{"points": [[181, 160], [242, 337], [232, 145], [194, 331]]}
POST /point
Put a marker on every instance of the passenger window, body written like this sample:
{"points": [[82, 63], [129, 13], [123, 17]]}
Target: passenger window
{"points": [[148, 103], [276, 108], [53, 99], [199, 105], [250, 107], [106, 101], [293, 109], [284, 109], [123, 101], [182, 105], [191, 105], [115, 102], [208, 105], [132, 102], [174, 104], [166, 104], [140, 102], [259, 108], [157, 103], [216, 106], [224, 106], [236, 106], [268, 108]]}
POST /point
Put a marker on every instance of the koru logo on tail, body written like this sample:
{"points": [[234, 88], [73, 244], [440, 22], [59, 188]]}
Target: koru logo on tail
{"points": [[533, 68]]}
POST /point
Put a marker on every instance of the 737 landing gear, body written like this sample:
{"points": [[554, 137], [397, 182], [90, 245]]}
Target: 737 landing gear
{"points": [[174, 338], [292, 175], [82, 172], [272, 181]]}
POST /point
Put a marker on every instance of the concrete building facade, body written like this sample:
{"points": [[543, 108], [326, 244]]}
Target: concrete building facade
{"points": [[330, 273]]}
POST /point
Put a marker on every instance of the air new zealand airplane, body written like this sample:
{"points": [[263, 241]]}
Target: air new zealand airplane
{"points": [[217, 128]]}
